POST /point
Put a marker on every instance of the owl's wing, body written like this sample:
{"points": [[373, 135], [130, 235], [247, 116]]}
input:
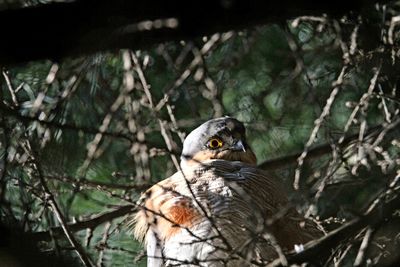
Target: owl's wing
{"points": [[258, 194]]}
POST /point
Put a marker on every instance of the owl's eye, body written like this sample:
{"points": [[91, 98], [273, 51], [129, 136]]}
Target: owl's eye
{"points": [[214, 143]]}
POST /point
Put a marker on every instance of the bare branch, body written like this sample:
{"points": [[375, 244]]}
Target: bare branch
{"points": [[88, 224]]}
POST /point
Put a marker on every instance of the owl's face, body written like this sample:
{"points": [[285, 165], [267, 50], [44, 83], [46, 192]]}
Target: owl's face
{"points": [[222, 138]]}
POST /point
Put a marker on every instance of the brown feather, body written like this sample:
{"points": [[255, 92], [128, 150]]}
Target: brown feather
{"points": [[165, 209]]}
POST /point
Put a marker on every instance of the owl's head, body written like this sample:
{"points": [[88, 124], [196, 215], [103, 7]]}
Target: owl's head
{"points": [[221, 138]]}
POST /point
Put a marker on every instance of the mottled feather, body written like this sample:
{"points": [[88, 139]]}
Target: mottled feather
{"points": [[232, 202]]}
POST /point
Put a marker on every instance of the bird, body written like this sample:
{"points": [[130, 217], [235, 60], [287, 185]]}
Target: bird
{"points": [[219, 209]]}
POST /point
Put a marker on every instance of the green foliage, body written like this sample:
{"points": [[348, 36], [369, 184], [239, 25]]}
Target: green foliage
{"points": [[275, 79]]}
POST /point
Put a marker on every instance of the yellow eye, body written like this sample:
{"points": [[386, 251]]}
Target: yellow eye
{"points": [[215, 143]]}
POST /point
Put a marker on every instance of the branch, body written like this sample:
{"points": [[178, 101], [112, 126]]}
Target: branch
{"points": [[91, 223], [57, 30], [71, 127], [50, 199], [313, 153], [95, 184], [377, 213], [53, 124]]}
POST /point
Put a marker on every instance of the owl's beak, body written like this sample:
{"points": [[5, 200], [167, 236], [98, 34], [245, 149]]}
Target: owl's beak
{"points": [[239, 146]]}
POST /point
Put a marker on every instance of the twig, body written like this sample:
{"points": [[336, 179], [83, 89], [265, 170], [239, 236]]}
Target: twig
{"points": [[375, 215], [103, 244], [92, 148], [313, 153], [10, 89], [94, 184], [318, 123], [363, 247], [53, 124], [167, 139], [57, 211], [88, 224], [188, 71]]}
